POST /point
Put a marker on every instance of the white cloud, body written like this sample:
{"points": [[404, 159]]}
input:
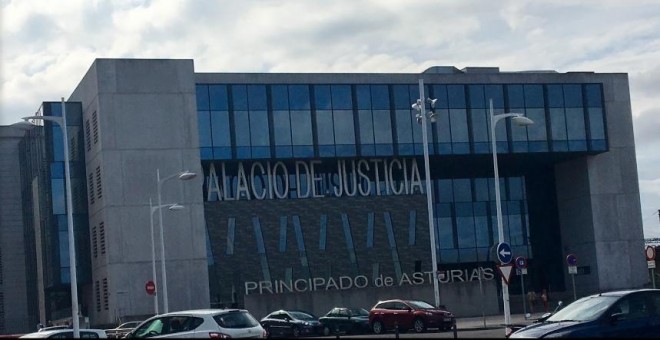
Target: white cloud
{"points": [[48, 47]]}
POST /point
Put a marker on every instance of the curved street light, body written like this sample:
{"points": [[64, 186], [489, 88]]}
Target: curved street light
{"points": [[183, 175], [61, 121], [152, 209], [520, 120]]}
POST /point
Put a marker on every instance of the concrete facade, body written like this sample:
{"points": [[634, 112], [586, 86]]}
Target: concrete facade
{"points": [[146, 122]]}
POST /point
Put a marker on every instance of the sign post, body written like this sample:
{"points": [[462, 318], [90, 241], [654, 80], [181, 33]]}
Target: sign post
{"points": [[571, 260], [650, 261], [521, 266]]}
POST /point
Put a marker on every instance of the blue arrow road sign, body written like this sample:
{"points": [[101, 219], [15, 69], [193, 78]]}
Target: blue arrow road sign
{"points": [[504, 253]]}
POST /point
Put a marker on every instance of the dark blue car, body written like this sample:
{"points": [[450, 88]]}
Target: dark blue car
{"points": [[622, 314]]}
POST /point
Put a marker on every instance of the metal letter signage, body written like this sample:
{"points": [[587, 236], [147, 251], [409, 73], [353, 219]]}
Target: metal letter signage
{"points": [[504, 253]]}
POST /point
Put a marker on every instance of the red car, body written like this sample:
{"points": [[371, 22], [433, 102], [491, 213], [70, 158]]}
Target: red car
{"points": [[408, 314]]}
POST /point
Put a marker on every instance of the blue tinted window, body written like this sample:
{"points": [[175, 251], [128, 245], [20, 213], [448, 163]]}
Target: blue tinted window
{"points": [[57, 170], [494, 92], [596, 123], [575, 124], [555, 96], [63, 239], [480, 129], [281, 128], [348, 237], [218, 101], [257, 97], [58, 194], [515, 95], [572, 95], [363, 93], [204, 127], [456, 94], [481, 189], [220, 128], [481, 227], [280, 97], [445, 191], [322, 97], [558, 124], [402, 98], [324, 122], [202, 95], [299, 97], [58, 143], [366, 127], [344, 127], [382, 127], [594, 95], [239, 97], [380, 97], [440, 93], [300, 240], [242, 128], [404, 126], [459, 131], [536, 131], [341, 97], [515, 187], [445, 226], [261, 247], [534, 96], [465, 225], [301, 133], [443, 131], [259, 128], [462, 190], [477, 96]]}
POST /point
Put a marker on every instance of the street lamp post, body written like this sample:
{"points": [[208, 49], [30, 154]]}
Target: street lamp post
{"points": [[420, 106], [61, 121], [152, 210], [521, 120], [183, 175]]}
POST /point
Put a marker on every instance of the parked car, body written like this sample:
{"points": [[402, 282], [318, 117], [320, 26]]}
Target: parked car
{"points": [[622, 314], [345, 320], [66, 333], [200, 323], [291, 323], [50, 328], [408, 314], [121, 330]]}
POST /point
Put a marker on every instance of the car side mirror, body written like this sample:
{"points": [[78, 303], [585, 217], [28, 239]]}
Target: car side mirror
{"points": [[614, 318]]}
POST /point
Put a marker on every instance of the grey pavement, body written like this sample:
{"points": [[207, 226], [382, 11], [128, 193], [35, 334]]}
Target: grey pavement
{"points": [[493, 321]]}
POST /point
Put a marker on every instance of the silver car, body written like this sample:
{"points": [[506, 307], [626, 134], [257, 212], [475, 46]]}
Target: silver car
{"points": [[201, 323]]}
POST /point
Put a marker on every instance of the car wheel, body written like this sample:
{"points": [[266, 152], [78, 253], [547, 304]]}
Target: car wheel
{"points": [[326, 330], [295, 332], [419, 325], [377, 327]]}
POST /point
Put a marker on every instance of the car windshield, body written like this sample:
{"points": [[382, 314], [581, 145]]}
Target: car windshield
{"points": [[585, 309], [130, 324], [421, 305], [302, 316], [235, 319], [359, 312]]}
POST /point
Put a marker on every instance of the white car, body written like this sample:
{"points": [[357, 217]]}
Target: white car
{"points": [[66, 333], [201, 323]]}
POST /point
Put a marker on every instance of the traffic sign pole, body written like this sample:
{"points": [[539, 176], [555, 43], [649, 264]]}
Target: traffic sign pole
{"points": [[571, 260]]}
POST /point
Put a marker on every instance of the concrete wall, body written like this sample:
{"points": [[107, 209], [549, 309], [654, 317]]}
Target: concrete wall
{"points": [[147, 121], [599, 204], [13, 285], [458, 297]]}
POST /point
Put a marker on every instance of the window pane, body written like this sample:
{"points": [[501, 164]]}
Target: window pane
{"points": [[382, 127], [594, 95], [596, 125], [402, 97], [465, 225], [380, 97], [462, 190], [301, 128], [515, 95], [534, 96], [58, 193], [204, 127], [202, 95], [575, 124], [363, 94], [242, 128], [404, 126], [344, 126], [322, 97], [494, 92], [259, 128], [477, 96], [555, 96], [299, 97], [325, 127], [218, 97], [558, 123], [366, 127], [341, 97], [281, 128], [456, 94], [572, 95], [280, 97], [220, 128], [239, 97]]}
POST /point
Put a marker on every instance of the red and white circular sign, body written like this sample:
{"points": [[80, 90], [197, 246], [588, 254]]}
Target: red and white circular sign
{"points": [[650, 253], [150, 287]]}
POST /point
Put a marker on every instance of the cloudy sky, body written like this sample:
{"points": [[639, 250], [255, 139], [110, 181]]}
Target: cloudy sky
{"points": [[47, 46]]}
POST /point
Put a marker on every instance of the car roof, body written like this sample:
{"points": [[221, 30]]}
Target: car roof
{"points": [[47, 333], [208, 311], [624, 292]]}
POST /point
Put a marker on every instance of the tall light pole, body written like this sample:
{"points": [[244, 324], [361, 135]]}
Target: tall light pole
{"points": [[420, 106], [183, 175], [152, 210], [61, 121], [521, 120]]}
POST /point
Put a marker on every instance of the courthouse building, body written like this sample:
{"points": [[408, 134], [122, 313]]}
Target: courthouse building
{"points": [[311, 190]]}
